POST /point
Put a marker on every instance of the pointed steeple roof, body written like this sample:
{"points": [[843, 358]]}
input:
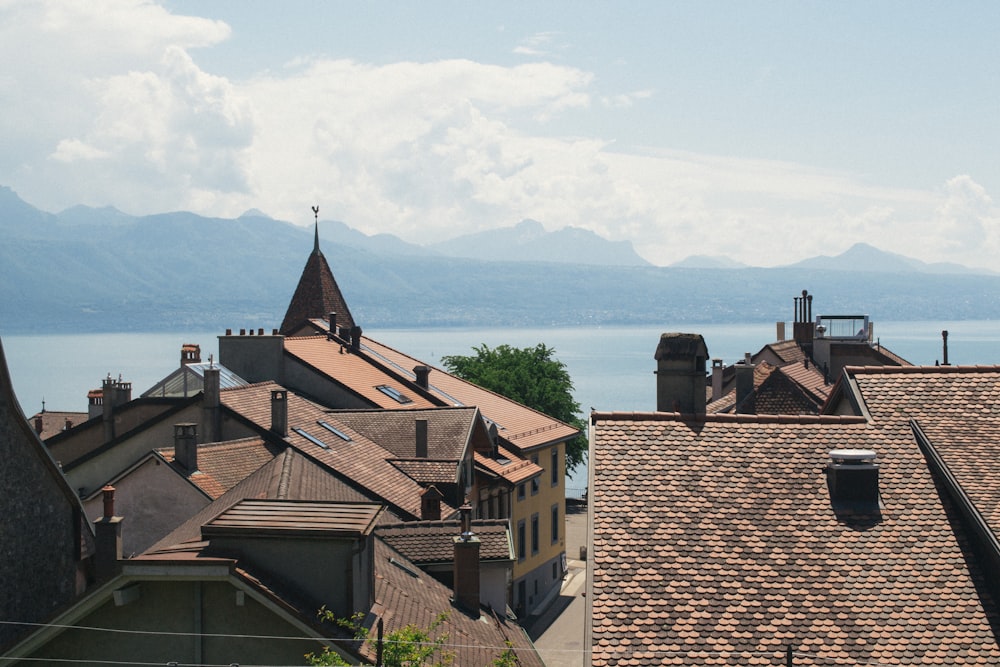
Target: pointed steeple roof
{"points": [[317, 294]]}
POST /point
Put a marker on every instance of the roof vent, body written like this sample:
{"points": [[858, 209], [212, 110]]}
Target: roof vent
{"points": [[852, 476]]}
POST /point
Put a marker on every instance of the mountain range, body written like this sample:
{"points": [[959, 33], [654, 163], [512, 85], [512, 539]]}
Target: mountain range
{"points": [[98, 269]]}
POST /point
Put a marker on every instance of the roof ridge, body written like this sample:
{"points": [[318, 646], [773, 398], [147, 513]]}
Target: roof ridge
{"points": [[726, 417], [885, 370]]}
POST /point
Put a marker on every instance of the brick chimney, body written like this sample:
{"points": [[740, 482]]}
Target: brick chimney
{"points": [[466, 566], [211, 407], [423, 376], [430, 504], [680, 373], [39, 426], [279, 412], [186, 445], [717, 370], [420, 426], [853, 479], [745, 403], [108, 538], [190, 354]]}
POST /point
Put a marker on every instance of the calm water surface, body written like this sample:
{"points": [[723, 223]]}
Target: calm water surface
{"points": [[612, 367]]}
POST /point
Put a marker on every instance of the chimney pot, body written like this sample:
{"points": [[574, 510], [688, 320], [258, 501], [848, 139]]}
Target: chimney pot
{"points": [[279, 412], [108, 495], [422, 374]]}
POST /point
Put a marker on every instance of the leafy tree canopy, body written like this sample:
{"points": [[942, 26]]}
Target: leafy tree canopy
{"points": [[531, 376]]}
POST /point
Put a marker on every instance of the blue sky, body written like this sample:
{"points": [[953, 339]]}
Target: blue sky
{"points": [[767, 131]]}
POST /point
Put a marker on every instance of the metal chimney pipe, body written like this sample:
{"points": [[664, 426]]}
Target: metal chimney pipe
{"points": [[944, 343]]}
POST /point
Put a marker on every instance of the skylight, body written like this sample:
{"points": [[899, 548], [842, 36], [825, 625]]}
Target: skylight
{"points": [[333, 429], [394, 394], [311, 438]]}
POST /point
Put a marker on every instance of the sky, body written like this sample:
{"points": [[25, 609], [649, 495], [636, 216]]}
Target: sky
{"points": [[765, 132]]}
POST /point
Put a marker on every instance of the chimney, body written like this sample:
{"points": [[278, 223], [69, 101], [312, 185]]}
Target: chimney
{"points": [[333, 324], [717, 369], [421, 429], [108, 538], [68, 425], [680, 373], [802, 329], [430, 504], [212, 404], [466, 567], [423, 376], [38, 425], [190, 354], [355, 338], [186, 445], [108, 408], [944, 345], [279, 412], [852, 477], [780, 331], [95, 403], [745, 403]]}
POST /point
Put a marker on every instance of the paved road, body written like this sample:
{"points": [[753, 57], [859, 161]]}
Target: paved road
{"points": [[558, 631]]}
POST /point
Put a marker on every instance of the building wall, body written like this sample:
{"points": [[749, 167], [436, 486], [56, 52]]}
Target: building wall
{"points": [[534, 575], [254, 358], [188, 608], [95, 472], [86, 438], [153, 500], [40, 530]]}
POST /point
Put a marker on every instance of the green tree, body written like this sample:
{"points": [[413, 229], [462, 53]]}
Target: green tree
{"points": [[408, 646], [531, 376]]}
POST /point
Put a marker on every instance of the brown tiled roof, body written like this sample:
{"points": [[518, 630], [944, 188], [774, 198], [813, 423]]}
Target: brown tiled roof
{"points": [[354, 372], [222, 465], [428, 471], [360, 460], [780, 394], [55, 422], [519, 425], [509, 466], [316, 296], [449, 430], [403, 599], [289, 476], [810, 379], [425, 542], [788, 351], [715, 543]]}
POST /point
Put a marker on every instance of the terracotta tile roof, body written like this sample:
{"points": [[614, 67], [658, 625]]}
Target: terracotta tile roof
{"points": [[715, 544], [449, 430], [509, 466], [289, 476], [223, 465], [810, 379], [316, 296], [427, 471], [788, 351], [425, 542], [519, 425], [403, 599], [360, 460], [354, 372]]}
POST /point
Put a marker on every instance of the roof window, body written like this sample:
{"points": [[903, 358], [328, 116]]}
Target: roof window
{"points": [[394, 394], [333, 429], [311, 438]]}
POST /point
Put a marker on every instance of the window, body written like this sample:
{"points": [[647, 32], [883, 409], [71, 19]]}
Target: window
{"points": [[555, 523], [520, 491], [311, 438], [554, 469], [520, 540], [394, 394], [333, 429], [534, 534]]}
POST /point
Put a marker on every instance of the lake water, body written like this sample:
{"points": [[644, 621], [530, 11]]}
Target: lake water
{"points": [[611, 367]]}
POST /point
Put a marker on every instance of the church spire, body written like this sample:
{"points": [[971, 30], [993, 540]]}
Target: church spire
{"points": [[316, 250], [317, 294]]}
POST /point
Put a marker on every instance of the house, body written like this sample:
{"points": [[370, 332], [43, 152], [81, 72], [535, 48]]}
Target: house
{"points": [[323, 354], [247, 591], [46, 542], [724, 539], [795, 376]]}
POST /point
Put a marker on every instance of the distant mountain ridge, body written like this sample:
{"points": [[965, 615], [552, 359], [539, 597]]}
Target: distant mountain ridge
{"points": [[865, 257], [97, 270]]}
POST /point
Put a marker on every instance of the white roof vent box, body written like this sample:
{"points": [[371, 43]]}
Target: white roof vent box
{"points": [[853, 480]]}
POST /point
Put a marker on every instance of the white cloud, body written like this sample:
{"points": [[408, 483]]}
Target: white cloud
{"points": [[426, 150]]}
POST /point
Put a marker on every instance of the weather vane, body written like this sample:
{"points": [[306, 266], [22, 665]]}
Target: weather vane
{"points": [[316, 213]]}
